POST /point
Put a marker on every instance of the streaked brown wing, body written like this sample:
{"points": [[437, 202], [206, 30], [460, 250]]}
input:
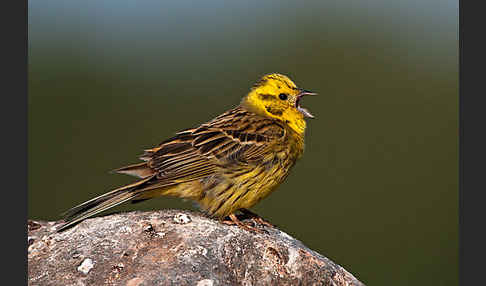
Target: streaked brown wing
{"points": [[233, 138]]}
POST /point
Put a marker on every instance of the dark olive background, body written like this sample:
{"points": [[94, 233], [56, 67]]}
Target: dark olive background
{"points": [[377, 188]]}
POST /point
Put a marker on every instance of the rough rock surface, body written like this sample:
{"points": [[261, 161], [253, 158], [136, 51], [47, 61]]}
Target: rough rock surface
{"points": [[172, 247]]}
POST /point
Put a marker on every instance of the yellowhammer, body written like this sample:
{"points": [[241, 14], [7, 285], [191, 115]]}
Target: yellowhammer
{"points": [[225, 165]]}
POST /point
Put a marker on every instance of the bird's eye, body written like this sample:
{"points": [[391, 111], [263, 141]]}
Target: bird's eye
{"points": [[282, 96]]}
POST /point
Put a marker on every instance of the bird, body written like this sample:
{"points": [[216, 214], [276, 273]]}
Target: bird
{"points": [[225, 165]]}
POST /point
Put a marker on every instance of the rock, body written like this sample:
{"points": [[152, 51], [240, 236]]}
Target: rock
{"points": [[86, 266], [172, 247]]}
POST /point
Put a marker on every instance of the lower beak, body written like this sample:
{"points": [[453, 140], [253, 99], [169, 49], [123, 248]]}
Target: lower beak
{"points": [[302, 110]]}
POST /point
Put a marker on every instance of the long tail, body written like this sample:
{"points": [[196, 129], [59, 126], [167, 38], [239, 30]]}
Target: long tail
{"points": [[101, 203]]}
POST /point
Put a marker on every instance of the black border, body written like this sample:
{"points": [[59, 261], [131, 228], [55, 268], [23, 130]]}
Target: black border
{"points": [[472, 143], [462, 278], [14, 136]]}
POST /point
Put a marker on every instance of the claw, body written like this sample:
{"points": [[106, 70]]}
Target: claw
{"points": [[256, 218], [235, 221]]}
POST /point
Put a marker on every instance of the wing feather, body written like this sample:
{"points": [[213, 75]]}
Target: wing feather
{"points": [[233, 138]]}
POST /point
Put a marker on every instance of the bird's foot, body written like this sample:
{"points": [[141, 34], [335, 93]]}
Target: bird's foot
{"points": [[256, 218], [235, 221]]}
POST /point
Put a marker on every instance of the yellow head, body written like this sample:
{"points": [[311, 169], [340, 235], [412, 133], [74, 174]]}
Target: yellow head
{"points": [[276, 96]]}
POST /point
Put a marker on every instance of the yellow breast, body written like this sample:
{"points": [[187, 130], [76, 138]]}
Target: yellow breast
{"points": [[245, 187]]}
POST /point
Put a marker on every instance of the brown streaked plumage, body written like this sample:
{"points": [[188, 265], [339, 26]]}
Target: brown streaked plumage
{"points": [[227, 164]]}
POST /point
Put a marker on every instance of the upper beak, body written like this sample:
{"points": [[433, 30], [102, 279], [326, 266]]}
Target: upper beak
{"points": [[302, 110], [306, 92]]}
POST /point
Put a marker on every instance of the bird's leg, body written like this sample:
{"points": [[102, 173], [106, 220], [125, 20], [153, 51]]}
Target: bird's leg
{"points": [[256, 218], [235, 221]]}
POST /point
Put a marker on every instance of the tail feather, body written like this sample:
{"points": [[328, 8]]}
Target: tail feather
{"points": [[140, 170], [101, 203]]}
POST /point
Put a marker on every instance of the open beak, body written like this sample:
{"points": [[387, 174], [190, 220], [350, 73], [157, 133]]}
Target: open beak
{"points": [[302, 110]]}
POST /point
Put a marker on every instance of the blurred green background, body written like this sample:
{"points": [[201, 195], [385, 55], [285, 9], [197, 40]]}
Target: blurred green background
{"points": [[377, 188]]}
